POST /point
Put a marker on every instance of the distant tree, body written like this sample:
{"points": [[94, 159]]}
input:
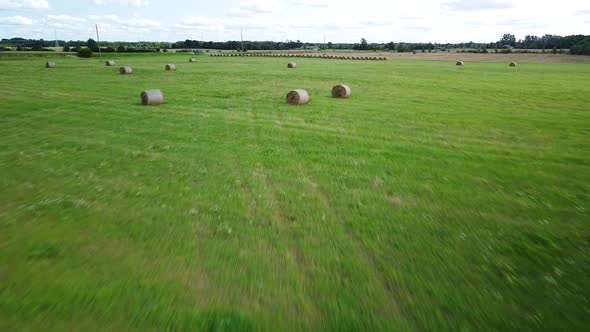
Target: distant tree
{"points": [[330, 45], [508, 39], [581, 48], [401, 47], [91, 44], [121, 49], [66, 48], [364, 45], [85, 53]]}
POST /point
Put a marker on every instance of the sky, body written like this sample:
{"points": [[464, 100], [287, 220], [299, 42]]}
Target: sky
{"points": [[379, 21]]}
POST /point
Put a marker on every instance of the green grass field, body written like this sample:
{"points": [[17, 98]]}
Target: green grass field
{"points": [[437, 197]]}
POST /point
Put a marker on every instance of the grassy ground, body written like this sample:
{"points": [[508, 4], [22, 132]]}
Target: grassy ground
{"points": [[435, 198]]}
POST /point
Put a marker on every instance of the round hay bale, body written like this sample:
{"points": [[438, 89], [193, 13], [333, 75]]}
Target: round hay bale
{"points": [[291, 65], [195, 60], [341, 91], [513, 64], [170, 66], [50, 64], [110, 63], [297, 97], [460, 63], [125, 70], [152, 97]]}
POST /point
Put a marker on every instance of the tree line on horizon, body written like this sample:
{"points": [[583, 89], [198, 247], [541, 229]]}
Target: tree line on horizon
{"points": [[576, 44]]}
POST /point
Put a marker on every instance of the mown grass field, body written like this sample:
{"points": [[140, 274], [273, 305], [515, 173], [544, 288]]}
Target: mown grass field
{"points": [[435, 198]]}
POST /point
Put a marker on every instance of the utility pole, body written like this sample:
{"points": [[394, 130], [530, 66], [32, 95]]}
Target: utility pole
{"points": [[242, 38], [55, 36], [98, 38]]}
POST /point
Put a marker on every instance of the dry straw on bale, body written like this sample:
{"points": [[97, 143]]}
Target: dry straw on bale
{"points": [[110, 63], [125, 70], [297, 97], [460, 63], [341, 91], [152, 97], [291, 65], [50, 64], [513, 64], [170, 66]]}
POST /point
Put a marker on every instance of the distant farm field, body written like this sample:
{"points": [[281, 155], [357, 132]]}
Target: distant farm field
{"points": [[435, 198]]}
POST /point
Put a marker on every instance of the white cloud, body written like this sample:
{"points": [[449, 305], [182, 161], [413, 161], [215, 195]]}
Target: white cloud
{"points": [[253, 8], [114, 20], [64, 18], [16, 20], [310, 3], [475, 5], [137, 3], [23, 4], [307, 20]]}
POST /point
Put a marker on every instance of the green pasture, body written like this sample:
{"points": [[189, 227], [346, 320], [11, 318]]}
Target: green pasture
{"points": [[435, 198]]}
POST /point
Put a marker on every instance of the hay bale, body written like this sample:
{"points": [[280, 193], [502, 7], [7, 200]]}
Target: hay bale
{"points": [[195, 60], [291, 65], [341, 91], [297, 97], [125, 70], [170, 66], [110, 63], [50, 64], [513, 64], [460, 63], [152, 97]]}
